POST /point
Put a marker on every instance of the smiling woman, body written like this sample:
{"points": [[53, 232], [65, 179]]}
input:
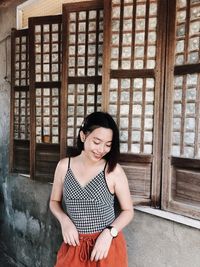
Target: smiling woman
{"points": [[91, 232]]}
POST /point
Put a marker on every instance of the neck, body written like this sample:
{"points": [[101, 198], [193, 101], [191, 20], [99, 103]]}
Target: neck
{"points": [[88, 162]]}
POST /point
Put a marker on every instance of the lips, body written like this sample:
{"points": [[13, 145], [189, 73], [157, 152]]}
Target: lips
{"points": [[97, 156]]}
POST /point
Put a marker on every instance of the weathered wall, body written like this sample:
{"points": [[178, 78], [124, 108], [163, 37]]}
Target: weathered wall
{"points": [[157, 242], [31, 235]]}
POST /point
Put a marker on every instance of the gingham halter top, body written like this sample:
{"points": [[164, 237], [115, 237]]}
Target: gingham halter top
{"points": [[91, 208]]}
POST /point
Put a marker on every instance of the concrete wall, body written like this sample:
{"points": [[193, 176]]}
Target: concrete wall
{"points": [[29, 233]]}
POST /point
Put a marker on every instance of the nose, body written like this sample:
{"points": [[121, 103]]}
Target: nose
{"points": [[101, 149]]}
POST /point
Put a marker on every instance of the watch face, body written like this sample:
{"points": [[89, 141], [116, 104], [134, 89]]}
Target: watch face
{"points": [[113, 231]]}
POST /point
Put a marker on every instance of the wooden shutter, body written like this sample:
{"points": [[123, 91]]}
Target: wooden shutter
{"points": [[20, 102], [82, 67], [181, 166], [134, 90], [45, 83]]}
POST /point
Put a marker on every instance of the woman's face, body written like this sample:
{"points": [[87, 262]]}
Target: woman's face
{"points": [[97, 143]]}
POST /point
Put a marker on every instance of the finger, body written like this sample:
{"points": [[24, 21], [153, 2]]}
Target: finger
{"points": [[73, 242], [93, 254], [105, 254], [101, 256], [65, 240], [97, 256], [68, 241], [76, 239]]}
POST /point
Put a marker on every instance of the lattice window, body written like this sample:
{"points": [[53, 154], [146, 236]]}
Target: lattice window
{"points": [[85, 43], [20, 102], [84, 65], [132, 94], [134, 34], [21, 61], [21, 115], [82, 99], [186, 109], [21, 98], [187, 32], [132, 106], [186, 131], [47, 115], [21, 83], [48, 52]]}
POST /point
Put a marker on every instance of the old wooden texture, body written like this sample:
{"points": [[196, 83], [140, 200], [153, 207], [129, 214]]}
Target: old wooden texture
{"points": [[76, 80], [106, 54], [181, 176], [21, 158], [18, 146], [167, 127], [47, 157], [33, 83]]}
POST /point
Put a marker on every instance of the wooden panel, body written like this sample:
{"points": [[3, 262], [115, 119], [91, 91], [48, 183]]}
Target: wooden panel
{"points": [[21, 156], [45, 76], [139, 176], [181, 179], [186, 186], [47, 157], [134, 81], [20, 102]]}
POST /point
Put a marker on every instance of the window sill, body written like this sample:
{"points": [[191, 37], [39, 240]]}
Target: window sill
{"points": [[170, 216]]}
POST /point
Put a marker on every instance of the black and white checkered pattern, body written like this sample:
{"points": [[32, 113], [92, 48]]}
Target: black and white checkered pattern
{"points": [[91, 207]]}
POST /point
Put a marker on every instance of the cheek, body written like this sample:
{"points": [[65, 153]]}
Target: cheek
{"points": [[107, 150]]}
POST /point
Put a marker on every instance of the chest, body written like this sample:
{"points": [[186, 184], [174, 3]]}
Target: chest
{"points": [[96, 188]]}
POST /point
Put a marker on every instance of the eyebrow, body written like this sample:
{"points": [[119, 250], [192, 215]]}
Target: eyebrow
{"points": [[101, 140]]}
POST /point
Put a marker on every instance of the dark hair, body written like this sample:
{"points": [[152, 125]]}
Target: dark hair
{"points": [[96, 120]]}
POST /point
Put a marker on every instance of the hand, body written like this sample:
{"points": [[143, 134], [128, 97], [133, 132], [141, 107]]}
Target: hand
{"points": [[102, 246], [69, 232]]}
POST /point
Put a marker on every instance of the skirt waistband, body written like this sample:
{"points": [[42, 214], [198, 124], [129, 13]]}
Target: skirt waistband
{"points": [[87, 242]]}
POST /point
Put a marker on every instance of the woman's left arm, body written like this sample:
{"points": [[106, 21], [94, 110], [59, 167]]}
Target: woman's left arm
{"points": [[123, 195], [121, 190]]}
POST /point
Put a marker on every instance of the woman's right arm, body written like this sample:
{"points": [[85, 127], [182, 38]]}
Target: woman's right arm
{"points": [[69, 231]]}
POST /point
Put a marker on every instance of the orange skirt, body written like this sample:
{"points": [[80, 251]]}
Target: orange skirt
{"points": [[79, 256]]}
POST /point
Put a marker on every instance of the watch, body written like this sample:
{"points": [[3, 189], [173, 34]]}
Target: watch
{"points": [[113, 231]]}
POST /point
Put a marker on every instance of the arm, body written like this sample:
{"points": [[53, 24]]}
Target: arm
{"points": [[121, 189], [122, 192], [69, 231]]}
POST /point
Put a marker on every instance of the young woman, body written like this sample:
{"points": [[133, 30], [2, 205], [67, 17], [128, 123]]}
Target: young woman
{"points": [[88, 184]]}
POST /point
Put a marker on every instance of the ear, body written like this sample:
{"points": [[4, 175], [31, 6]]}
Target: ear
{"points": [[82, 136]]}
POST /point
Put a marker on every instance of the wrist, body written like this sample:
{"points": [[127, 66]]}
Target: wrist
{"points": [[113, 230]]}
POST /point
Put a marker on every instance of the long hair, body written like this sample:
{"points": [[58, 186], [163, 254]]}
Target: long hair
{"points": [[96, 120]]}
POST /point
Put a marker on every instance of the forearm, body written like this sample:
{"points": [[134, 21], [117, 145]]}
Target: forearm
{"points": [[56, 209], [123, 219]]}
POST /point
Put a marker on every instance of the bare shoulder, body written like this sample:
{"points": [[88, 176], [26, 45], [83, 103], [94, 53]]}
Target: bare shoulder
{"points": [[118, 171], [61, 168], [63, 163]]}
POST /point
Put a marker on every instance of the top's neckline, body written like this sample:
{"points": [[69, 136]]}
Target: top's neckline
{"points": [[88, 183]]}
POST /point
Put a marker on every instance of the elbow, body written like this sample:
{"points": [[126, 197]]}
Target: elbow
{"points": [[131, 214]]}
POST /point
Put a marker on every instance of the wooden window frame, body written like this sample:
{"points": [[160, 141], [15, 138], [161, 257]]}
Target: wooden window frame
{"points": [[177, 169], [18, 148]]}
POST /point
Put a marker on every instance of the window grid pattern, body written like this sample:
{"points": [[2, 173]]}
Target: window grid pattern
{"points": [[132, 105], [82, 100], [85, 43], [21, 75], [21, 115], [48, 52], [187, 32], [186, 116], [47, 115], [134, 36]]}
